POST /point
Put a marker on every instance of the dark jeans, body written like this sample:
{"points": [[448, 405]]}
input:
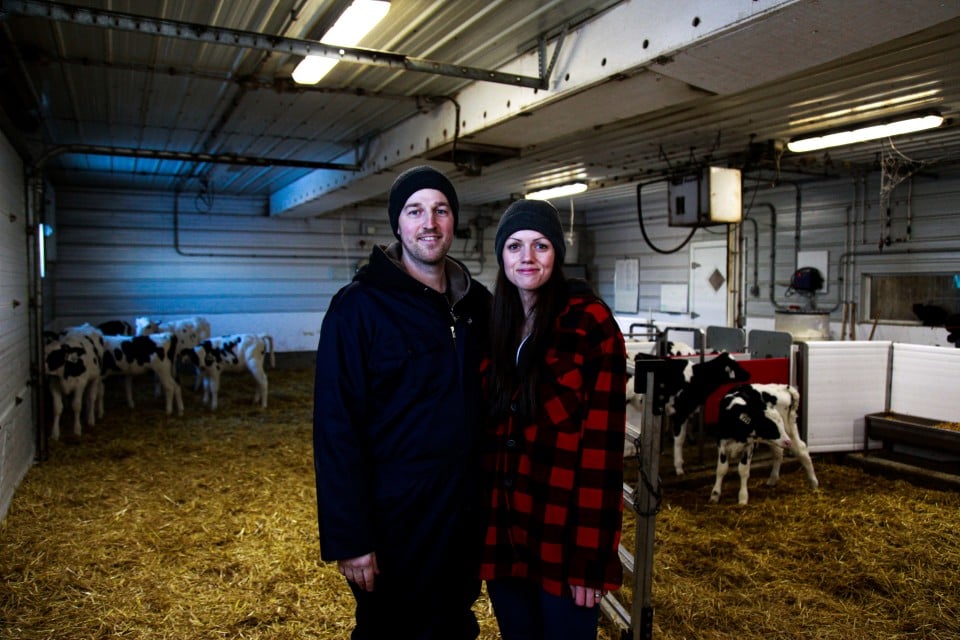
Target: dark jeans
{"points": [[445, 614], [526, 612]]}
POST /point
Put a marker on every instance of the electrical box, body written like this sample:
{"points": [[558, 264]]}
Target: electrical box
{"points": [[710, 197]]}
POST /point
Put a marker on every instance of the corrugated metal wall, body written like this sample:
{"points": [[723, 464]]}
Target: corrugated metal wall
{"points": [[125, 254], [923, 229], [16, 396]]}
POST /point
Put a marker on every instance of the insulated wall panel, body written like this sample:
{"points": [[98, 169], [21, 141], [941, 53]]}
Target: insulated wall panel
{"points": [[16, 394], [841, 382], [925, 382]]}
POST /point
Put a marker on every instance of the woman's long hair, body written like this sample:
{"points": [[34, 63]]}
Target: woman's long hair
{"points": [[506, 333]]}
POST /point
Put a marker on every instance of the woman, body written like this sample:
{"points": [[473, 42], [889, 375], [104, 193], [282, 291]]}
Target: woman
{"points": [[554, 461]]}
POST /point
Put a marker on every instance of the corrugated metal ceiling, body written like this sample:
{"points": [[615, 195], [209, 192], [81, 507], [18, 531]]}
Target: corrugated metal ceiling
{"points": [[746, 75]]}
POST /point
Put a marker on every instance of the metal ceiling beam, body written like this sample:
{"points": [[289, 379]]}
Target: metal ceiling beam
{"points": [[251, 40], [617, 45]]}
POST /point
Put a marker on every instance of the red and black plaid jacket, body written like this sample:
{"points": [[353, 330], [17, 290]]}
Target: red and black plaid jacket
{"points": [[556, 482]]}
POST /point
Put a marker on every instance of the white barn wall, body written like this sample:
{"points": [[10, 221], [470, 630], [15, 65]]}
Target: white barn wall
{"points": [[925, 382], [17, 435], [116, 258], [842, 383], [836, 216]]}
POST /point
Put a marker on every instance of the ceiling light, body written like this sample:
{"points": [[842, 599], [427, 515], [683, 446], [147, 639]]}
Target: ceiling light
{"points": [[355, 22], [910, 124], [557, 192]]}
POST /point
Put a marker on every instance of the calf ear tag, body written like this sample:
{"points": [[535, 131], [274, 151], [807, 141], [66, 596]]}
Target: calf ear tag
{"points": [[745, 418]]}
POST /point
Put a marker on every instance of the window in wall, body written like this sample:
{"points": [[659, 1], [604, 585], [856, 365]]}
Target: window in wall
{"points": [[921, 298]]}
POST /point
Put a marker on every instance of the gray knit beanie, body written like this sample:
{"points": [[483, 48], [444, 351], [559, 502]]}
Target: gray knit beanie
{"points": [[411, 181], [536, 215]]}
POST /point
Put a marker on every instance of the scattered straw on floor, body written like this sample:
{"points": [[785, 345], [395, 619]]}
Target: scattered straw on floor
{"points": [[204, 526]]}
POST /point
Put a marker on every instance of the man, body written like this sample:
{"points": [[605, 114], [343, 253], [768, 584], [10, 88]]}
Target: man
{"points": [[397, 425]]}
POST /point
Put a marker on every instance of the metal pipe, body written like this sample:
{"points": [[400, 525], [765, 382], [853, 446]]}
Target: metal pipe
{"points": [[188, 156], [754, 289], [241, 254], [34, 190], [773, 255]]}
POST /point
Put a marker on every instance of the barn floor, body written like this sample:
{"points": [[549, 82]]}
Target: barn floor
{"points": [[150, 526]]}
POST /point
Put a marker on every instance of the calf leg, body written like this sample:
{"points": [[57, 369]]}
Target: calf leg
{"points": [[212, 385], [260, 395], [206, 389], [743, 469], [99, 397], [678, 441], [171, 394], [76, 403], [197, 379], [775, 467], [57, 401], [723, 465], [91, 393], [800, 450], [178, 398], [128, 388]]}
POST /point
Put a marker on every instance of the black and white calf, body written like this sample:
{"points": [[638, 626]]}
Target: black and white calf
{"points": [[699, 381], [238, 352], [753, 413], [189, 331], [686, 387], [116, 328], [72, 364], [135, 355], [673, 349]]}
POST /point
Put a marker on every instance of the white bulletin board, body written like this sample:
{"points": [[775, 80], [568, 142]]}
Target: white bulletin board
{"points": [[626, 286]]}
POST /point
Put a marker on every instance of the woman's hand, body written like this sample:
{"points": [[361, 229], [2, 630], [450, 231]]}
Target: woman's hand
{"points": [[360, 571], [586, 597]]}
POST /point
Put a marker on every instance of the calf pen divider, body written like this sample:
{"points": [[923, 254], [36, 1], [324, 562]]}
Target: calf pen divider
{"points": [[637, 623], [635, 620]]}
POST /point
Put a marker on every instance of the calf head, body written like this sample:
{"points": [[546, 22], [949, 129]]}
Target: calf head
{"points": [[193, 357], [720, 370], [208, 355], [66, 361], [747, 414]]}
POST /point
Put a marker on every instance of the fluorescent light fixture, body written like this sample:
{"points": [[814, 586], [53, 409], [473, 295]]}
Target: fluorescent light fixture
{"points": [[41, 253], [557, 192], [355, 22], [911, 124]]}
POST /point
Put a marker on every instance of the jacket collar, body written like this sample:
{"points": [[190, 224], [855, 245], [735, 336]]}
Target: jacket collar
{"points": [[385, 268]]}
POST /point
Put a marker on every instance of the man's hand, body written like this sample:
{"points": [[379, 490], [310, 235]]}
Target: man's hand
{"points": [[360, 571]]}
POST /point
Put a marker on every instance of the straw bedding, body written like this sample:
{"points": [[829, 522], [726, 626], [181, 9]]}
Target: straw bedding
{"points": [[204, 526]]}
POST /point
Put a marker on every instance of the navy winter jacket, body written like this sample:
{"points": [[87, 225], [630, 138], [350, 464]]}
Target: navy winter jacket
{"points": [[397, 418]]}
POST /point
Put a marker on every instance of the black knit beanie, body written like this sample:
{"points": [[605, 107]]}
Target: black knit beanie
{"points": [[411, 181], [536, 215]]}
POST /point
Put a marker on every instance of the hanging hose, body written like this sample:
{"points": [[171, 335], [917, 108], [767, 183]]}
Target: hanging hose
{"points": [[643, 229]]}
